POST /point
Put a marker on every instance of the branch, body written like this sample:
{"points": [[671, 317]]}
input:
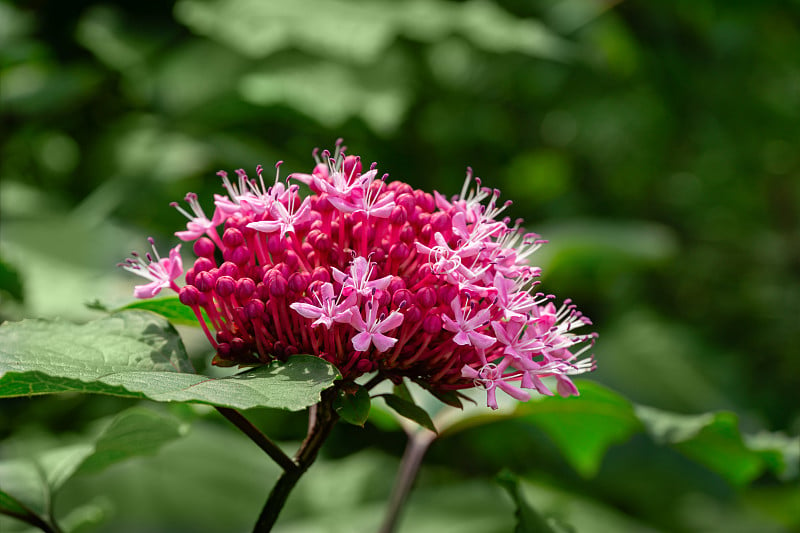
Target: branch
{"points": [[263, 442], [418, 443], [322, 418], [29, 516]]}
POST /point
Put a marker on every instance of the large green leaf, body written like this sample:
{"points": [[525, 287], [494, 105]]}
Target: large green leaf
{"points": [[584, 427], [138, 354]]}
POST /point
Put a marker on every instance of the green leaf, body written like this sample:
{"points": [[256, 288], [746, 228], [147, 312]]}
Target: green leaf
{"points": [[12, 507], [132, 433], [30, 485], [138, 354], [449, 397], [275, 26], [409, 410], [22, 488], [352, 403], [585, 427], [714, 440], [169, 307], [401, 390], [10, 282], [528, 520]]}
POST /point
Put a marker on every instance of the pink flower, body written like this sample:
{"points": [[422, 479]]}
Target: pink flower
{"points": [[465, 329], [408, 284], [161, 272], [329, 310], [489, 377], [372, 331], [284, 218], [198, 224], [361, 271]]}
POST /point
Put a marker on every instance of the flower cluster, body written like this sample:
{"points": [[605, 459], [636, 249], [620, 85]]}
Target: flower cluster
{"points": [[373, 277]]}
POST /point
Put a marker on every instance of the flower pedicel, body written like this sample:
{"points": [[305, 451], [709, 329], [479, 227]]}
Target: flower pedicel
{"points": [[373, 276]]}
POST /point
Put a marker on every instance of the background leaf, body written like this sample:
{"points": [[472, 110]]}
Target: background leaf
{"points": [[714, 440], [528, 520], [36, 481]]}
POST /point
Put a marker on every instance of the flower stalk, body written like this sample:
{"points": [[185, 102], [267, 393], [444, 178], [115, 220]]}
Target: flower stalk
{"points": [[261, 440]]}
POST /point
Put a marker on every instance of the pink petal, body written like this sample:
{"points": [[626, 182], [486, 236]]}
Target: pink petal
{"points": [[461, 338], [513, 391], [491, 398], [267, 226], [149, 290], [382, 342], [357, 322], [306, 310], [361, 341], [188, 235], [391, 322], [469, 372], [566, 387], [479, 340]]}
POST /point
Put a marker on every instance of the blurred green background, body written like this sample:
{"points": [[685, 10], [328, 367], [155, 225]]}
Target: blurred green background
{"points": [[655, 144]]}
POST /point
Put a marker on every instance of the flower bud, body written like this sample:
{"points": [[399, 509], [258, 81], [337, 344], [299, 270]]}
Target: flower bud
{"points": [[245, 287], [240, 255], [189, 295], [203, 264], [278, 286], [229, 269], [225, 286], [402, 297], [204, 247], [204, 281], [321, 274], [232, 238], [298, 282], [426, 297], [432, 324], [254, 309], [399, 252]]}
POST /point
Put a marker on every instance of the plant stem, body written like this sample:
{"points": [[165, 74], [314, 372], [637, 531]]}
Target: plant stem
{"points": [[263, 442], [418, 443], [30, 517], [322, 418]]}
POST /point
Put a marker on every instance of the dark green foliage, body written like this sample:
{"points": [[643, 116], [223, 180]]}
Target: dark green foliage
{"points": [[652, 143]]}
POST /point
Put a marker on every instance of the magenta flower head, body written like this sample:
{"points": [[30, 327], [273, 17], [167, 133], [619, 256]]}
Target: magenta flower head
{"points": [[375, 276]]}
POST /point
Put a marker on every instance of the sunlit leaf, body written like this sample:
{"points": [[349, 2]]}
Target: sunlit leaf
{"points": [[361, 32], [138, 354], [169, 307]]}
